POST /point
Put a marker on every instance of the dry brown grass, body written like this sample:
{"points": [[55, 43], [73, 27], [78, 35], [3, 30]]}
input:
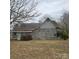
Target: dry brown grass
{"points": [[39, 49]]}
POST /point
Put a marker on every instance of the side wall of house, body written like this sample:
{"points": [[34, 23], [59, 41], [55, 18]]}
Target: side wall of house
{"points": [[44, 34], [46, 31]]}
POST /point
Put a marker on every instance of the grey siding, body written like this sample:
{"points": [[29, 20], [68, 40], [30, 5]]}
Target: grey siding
{"points": [[46, 31], [47, 25], [44, 34]]}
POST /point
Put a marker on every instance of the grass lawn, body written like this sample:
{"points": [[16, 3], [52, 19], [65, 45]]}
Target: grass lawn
{"points": [[40, 49]]}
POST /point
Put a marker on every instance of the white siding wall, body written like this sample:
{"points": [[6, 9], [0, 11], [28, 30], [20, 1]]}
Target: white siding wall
{"points": [[46, 31], [47, 25], [44, 34]]}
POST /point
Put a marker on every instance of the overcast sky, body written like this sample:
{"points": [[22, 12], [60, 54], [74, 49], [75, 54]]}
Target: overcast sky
{"points": [[53, 8]]}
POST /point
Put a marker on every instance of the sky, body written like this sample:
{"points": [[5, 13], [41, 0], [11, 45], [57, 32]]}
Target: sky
{"points": [[53, 8]]}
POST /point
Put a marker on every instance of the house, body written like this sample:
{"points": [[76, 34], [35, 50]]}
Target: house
{"points": [[29, 31]]}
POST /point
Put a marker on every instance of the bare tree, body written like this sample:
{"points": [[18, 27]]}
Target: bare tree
{"points": [[65, 20], [64, 25], [22, 10]]}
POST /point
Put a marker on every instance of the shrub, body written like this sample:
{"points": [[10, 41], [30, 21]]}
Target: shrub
{"points": [[63, 34]]}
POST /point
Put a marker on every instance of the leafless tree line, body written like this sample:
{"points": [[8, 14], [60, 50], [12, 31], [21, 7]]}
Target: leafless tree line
{"points": [[64, 25]]}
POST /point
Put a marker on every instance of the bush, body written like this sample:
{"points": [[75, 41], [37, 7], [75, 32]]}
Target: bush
{"points": [[63, 34]]}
